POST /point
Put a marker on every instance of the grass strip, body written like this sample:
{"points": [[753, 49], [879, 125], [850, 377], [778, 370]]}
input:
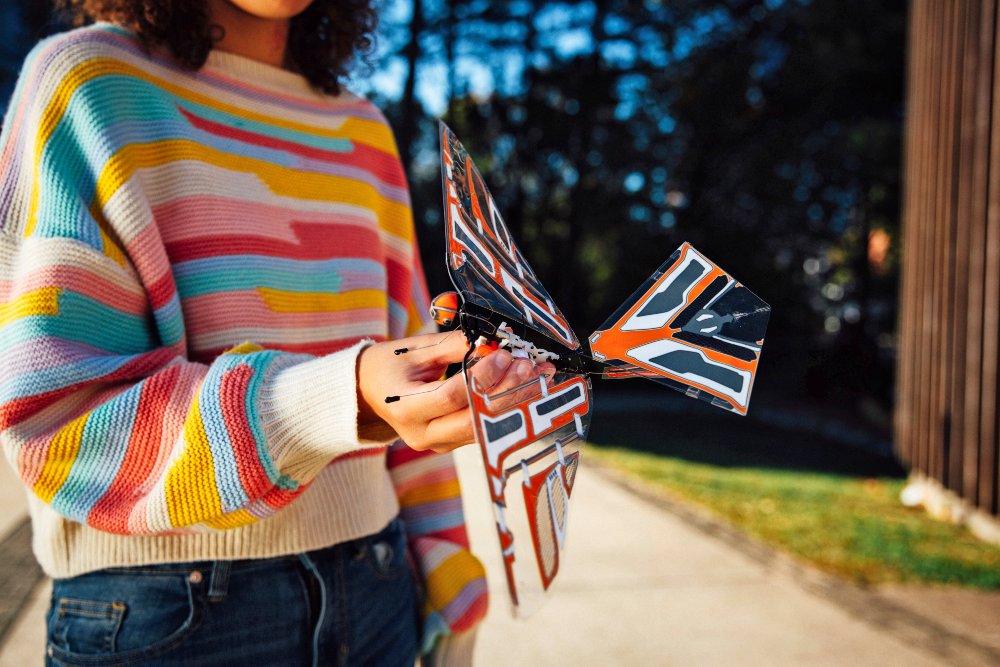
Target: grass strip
{"points": [[852, 526]]}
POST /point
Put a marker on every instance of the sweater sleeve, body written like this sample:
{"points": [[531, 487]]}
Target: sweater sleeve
{"points": [[102, 414], [455, 596]]}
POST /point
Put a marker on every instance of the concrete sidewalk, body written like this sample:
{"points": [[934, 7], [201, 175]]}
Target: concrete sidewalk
{"points": [[24, 644], [640, 586], [647, 583]]}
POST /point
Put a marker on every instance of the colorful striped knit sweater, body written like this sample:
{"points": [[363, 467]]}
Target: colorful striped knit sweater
{"points": [[153, 220]]}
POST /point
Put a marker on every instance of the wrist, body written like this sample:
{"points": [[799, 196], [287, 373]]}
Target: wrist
{"points": [[308, 411], [368, 416]]}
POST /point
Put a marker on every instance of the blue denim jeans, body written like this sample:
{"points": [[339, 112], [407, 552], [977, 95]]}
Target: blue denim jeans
{"points": [[350, 604]]}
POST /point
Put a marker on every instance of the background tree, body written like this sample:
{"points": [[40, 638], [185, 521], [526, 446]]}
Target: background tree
{"points": [[24, 23], [766, 132]]}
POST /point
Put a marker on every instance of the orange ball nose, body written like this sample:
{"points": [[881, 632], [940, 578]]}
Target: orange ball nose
{"points": [[444, 308]]}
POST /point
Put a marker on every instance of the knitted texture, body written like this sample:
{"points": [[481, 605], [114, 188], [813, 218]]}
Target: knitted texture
{"points": [[455, 598], [152, 220]]}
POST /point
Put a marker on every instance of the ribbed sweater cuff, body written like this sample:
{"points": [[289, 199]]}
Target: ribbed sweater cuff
{"points": [[309, 413]]}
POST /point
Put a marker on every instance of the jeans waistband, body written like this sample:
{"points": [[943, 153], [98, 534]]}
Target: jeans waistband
{"points": [[221, 569]]}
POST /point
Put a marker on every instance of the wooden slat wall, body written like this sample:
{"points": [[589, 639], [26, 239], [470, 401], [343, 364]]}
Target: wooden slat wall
{"points": [[949, 350]]}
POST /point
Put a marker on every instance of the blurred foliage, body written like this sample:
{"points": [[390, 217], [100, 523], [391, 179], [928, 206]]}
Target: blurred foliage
{"points": [[24, 23], [766, 133]]}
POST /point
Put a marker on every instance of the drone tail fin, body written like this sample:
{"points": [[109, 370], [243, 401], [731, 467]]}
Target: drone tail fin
{"points": [[690, 326]]}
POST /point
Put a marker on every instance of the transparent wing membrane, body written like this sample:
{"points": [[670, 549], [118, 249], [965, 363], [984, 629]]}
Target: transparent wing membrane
{"points": [[546, 503], [484, 263]]}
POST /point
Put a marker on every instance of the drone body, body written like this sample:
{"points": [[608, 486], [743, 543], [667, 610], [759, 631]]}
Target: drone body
{"points": [[690, 326]]}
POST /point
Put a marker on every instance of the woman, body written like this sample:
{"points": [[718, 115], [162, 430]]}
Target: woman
{"points": [[206, 245]]}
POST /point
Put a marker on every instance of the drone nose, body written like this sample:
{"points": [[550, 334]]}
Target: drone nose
{"points": [[444, 308]]}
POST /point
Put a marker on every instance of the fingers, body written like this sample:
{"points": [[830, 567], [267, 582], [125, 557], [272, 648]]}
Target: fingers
{"points": [[433, 400], [442, 410], [434, 414], [453, 430], [437, 399], [491, 369], [451, 395], [547, 368], [519, 385], [450, 431], [519, 373]]}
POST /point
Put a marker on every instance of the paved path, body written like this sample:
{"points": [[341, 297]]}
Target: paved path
{"points": [[642, 584], [24, 642]]}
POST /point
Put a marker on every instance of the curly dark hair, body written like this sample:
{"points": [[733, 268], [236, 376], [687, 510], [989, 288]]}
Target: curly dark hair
{"points": [[322, 41]]}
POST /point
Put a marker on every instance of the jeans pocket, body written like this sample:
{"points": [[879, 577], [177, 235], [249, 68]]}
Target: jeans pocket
{"points": [[117, 617], [87, 626]]}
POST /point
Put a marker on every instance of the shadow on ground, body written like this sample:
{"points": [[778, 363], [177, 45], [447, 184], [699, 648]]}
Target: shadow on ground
{"points": [[668, 424]]}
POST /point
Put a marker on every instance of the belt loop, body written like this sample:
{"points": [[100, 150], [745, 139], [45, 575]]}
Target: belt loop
{"points": [[219, 583]]}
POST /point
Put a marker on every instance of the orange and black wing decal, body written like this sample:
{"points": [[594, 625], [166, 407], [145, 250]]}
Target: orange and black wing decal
{"points": [[692, 327], [530, 436], [484, 263], [546, 500]]}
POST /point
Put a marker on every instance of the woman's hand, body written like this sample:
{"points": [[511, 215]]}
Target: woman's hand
{"points": [[431, 413]]}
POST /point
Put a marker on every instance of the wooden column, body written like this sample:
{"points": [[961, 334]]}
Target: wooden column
{"points": [[946, 405]]}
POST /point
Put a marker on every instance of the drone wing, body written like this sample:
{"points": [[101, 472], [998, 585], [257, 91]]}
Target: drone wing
{"points": [[690, 326], [530, 437], [483, 261]]}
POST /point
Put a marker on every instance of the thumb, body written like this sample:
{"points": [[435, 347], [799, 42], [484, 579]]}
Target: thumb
{"points": [[488, 371]]}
